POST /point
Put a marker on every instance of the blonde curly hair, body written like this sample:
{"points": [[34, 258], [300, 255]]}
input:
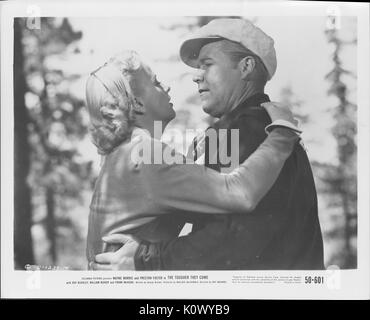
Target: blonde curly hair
{"points": [[112, 81]]}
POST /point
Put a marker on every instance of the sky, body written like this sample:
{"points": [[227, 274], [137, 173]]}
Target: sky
{"points": [[303, 56]]}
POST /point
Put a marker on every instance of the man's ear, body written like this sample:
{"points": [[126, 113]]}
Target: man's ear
{"points": [[246, 67]]}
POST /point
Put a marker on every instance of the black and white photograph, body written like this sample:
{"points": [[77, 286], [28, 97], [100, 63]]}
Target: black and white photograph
{"points": [[194, 144]]}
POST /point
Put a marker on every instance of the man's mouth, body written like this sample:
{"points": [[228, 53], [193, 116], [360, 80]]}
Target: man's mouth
{"points": [[202, 90]]}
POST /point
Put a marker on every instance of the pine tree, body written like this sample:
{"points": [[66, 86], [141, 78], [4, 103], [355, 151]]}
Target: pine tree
{"points": [[341, 178]]}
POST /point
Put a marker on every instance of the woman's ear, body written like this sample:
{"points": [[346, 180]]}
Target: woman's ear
{"points": [[246, 67], [107, 113]]}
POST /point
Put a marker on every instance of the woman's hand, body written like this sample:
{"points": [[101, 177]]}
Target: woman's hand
{"points": [[281, 116], [279, 111], [122, 259]]}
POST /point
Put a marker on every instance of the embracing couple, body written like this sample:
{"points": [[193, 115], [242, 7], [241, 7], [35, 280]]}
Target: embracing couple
{"points": [[258, 214]]}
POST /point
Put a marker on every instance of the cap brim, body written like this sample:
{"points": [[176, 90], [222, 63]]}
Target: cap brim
{"points": [[189, 50]]}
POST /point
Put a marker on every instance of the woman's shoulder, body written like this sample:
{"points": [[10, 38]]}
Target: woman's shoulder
{"points": [[145, 149], [145, 152], [122, 159], [140, 149]]}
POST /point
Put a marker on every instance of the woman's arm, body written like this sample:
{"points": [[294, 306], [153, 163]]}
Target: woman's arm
{"points": [[198, 189]]}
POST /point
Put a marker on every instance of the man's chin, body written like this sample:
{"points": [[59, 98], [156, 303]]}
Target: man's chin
{"points": [[208, 109]]}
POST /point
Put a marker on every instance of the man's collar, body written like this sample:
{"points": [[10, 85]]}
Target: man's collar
{"points": [[252, 101]]}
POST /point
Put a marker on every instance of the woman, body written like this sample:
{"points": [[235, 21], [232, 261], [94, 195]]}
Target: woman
{"points": [[124, 100]]}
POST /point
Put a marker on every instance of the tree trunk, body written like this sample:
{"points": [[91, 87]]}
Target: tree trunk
{"points": [[50, 223], [350, 260], [23, 248]]}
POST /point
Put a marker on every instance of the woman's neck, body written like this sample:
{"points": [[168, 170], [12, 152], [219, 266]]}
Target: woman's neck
{"points": [[154, 127]]}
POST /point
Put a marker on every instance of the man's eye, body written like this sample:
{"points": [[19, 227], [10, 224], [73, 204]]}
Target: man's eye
{"points": [[205, 65]]}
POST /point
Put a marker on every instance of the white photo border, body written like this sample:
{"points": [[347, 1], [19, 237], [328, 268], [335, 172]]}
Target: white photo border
{"points": [[353, 284]]}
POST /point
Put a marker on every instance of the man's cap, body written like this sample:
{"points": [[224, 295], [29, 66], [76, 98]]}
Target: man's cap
{"points": [[237, 30]]}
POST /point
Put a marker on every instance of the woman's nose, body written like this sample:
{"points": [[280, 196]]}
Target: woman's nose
{"points": [[166, 88], [198, 76]]}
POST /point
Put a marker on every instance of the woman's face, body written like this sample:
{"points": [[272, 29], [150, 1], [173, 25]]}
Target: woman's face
{"points": [[152, 94]]}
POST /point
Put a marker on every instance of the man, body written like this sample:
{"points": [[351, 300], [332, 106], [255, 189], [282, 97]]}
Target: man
{"points": [[235, 59]]}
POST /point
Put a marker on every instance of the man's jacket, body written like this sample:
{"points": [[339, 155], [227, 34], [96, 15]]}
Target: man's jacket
{"points": [[282, 233]]}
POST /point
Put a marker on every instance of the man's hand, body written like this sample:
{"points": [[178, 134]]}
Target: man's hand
{"points": [[122, 259]]}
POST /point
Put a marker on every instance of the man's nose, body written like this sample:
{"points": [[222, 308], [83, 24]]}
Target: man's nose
{"points": [[198, 76]]}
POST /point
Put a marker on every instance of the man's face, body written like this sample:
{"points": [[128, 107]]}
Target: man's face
{"points": [[218, 79]]}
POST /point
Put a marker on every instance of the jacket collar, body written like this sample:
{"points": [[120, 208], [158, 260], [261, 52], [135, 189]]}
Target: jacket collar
{"points": [[253, 101]]}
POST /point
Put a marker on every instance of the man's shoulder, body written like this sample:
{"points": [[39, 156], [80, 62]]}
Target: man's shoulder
{"points": [[254, 116], [251, 123]]}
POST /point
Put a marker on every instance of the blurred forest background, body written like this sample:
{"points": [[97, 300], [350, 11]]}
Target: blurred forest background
{"points": [[56, 164]]}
